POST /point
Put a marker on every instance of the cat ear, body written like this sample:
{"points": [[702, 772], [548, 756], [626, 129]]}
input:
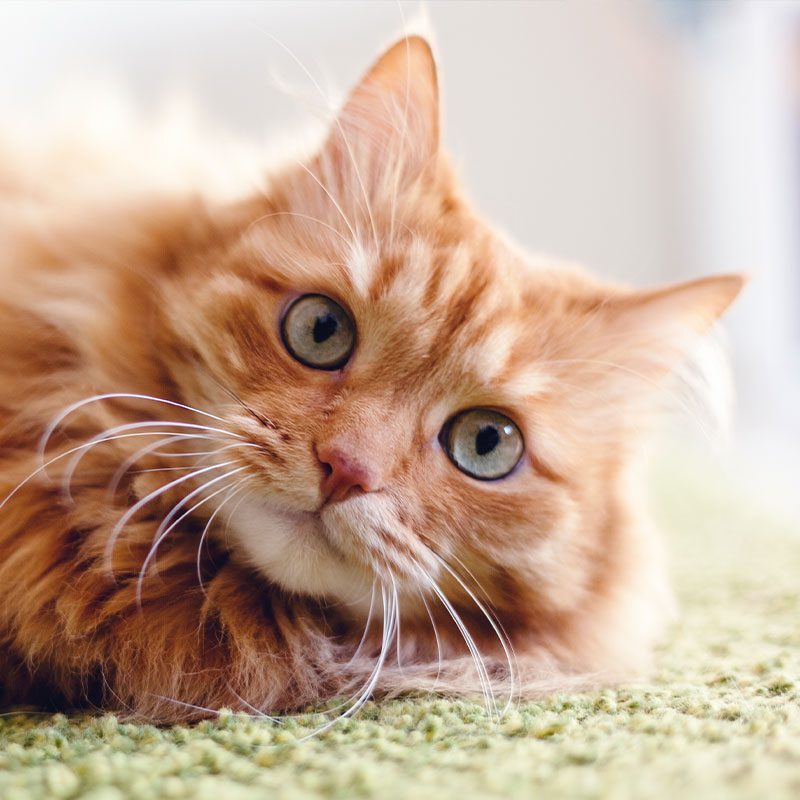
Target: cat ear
{"points": [[388, 129], [651, 332]]}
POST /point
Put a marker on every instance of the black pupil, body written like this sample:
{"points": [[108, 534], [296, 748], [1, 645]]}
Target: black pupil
{"points": [[324, 327], [486, 440]]}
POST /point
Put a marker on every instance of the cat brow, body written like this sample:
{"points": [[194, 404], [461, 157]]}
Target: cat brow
{"points": [[528, 383]]}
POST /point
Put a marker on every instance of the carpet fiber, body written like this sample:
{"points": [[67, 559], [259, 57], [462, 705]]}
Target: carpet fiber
{"points": [[720, 717]]}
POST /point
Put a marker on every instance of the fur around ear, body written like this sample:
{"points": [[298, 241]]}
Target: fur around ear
{"points": [[388, 129], [650, 333], [696, 304]]}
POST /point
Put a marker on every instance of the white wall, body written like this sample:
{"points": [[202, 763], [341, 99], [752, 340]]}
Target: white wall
{"points": [[558, 113]]}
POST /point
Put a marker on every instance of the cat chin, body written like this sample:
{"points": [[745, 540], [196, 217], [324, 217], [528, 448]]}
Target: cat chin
{"points": [[292, 550]]}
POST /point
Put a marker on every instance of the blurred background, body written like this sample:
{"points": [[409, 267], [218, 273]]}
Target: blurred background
{"points": [[651, 140]]}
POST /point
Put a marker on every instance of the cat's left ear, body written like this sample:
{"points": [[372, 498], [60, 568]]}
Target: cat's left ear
{"points": [[388, 129], [650, 332]]}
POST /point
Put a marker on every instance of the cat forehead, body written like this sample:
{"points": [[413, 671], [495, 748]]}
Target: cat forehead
{"points": [[465, 312], [471, 314]]}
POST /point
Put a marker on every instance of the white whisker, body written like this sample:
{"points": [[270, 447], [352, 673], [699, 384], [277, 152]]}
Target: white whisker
{"points": [[357, 651], [339, 127], [480, 666], [404, 133], [396, 604], [351, 705], [300, 216], [43, 467], [186, 467], [502, 637], [162, 534], [134, 509], [656, 384], [257, 711], [439, 654], [333, 200], [173, 512], [231, 513], [213, 712], [233, 492], [104, 436], [162, 469], [62, 415], [197, 453], [129, 462], [366, 692], [140, 453]]}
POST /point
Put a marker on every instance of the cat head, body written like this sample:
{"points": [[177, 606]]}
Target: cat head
{"points": [[427, 402]]}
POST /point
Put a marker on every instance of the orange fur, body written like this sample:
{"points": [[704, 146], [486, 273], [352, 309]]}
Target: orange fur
{"points": [[179, 296]]}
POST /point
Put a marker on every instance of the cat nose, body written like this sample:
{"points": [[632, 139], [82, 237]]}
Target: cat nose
{"points": [[347, 474]]}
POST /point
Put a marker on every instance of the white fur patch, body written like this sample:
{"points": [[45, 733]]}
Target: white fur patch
{"points": [[291, 550]]}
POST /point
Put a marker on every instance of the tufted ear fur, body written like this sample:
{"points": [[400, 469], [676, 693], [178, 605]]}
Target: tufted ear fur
{"points": [[651, 332], [388, 129]]}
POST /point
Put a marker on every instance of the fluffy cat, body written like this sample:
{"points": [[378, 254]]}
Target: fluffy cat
{"points": [[336, 438]]}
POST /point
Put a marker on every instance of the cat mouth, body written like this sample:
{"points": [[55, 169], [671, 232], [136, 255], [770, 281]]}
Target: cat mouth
{"points": [[302, 551], [337, 500]]}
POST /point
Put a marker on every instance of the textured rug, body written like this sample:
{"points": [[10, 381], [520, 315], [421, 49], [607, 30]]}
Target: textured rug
{"points": [[720, 718]]}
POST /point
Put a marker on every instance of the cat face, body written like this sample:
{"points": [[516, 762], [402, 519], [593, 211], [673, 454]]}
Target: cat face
{"points": [[427, 402]]}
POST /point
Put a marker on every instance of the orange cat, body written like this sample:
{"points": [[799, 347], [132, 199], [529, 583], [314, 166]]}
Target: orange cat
{"points": [[339, 438]]}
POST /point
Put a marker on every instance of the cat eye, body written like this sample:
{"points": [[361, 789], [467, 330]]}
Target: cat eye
{"points": [[485, 444], [318, 332]]}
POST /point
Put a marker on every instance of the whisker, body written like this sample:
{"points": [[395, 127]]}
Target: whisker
{"points": [[140, 453], [501, 632], [366, 626], [196, 453], [334, 201], [233, 492], [674, 396], [351, 705], [194, 706], [163, 535], [257, 711], [232, 512], [136, 507], [338, 124], [103, 437], [404, 136], [267, 423], [480, 666], [300, 216], [396, 599], [173, 512], [163, 469], [501, 635], [62, 415], [439, 658], [478, 585], [43, 467], [130, 461], [366, 692]]}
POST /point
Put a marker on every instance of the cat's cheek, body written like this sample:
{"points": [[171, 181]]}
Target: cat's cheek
{"points": [[553, 571]]}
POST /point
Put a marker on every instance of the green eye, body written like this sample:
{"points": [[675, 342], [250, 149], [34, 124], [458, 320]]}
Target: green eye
{"points": [[483, 443], [318, 332]]}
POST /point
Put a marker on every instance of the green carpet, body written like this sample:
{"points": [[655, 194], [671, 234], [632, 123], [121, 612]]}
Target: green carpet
{"points": [[720, 718]]}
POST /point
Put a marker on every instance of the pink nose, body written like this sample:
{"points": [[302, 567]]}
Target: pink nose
{"points": [[346, 474]]}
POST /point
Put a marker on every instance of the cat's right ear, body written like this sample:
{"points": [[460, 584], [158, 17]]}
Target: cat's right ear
{"points": [[388, 129]]}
